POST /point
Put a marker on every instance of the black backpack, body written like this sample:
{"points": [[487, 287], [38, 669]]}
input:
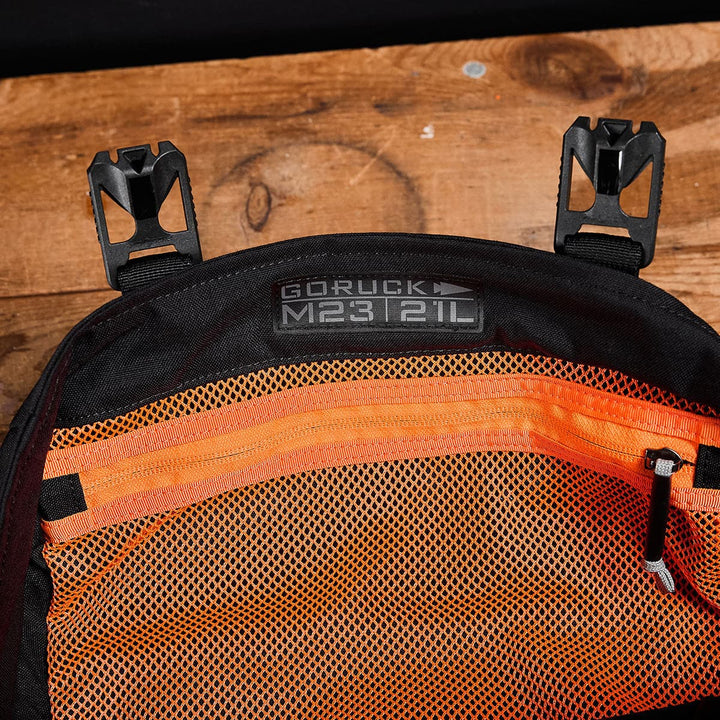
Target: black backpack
{"points": [[371, 475]]}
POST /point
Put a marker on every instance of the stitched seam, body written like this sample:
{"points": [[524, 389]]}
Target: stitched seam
{"points": [[500, 263], [275, 440], [532, 273], [12, 499], [599, 406], [279, 362]]}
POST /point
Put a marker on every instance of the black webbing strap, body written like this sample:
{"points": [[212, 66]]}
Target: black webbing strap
{"points": [[607, 250], [150, 269]]}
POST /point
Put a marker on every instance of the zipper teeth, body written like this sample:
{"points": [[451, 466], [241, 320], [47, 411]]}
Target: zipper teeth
{"points": [[681, 461]]}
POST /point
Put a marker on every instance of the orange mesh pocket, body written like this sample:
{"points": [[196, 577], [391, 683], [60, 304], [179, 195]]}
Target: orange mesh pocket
{"points": [[489, 585], [697, 551], [445, 536], [277, 379], [187, 459]]}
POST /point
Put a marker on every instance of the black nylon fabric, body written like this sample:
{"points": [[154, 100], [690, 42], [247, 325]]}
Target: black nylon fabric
{"points": [[61, 496], [33, 698], [22, 458], [215, 320]]}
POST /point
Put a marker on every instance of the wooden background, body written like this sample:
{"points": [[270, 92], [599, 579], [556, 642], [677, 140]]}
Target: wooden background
{"points": [[399, 138]]}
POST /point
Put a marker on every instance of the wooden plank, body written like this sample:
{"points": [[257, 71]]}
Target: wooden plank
{"points": [[399, 138], [32, 327]]}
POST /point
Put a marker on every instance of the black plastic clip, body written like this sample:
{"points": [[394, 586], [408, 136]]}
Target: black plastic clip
{"points": [[139, 182], [612, 156]]}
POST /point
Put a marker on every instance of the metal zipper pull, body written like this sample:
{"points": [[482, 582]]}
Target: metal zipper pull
{"points": [[664, 462]]}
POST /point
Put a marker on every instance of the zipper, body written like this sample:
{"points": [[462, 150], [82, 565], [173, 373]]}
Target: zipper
{"points": [[664, 463]]}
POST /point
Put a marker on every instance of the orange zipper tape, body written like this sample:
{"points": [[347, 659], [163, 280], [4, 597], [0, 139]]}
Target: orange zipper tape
{"points": [[184, 460]]}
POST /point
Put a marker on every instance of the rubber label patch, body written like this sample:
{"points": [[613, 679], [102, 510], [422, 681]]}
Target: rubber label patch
{"points": [[373, 302]]}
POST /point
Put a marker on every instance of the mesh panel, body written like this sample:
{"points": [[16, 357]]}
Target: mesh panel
{"points": [[698, 552], [494, 585], [275, 379]]}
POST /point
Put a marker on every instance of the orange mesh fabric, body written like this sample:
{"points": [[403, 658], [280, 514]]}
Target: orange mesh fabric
{"points": [[491, 585], [181, 461], [276, 379], [698, 552]]}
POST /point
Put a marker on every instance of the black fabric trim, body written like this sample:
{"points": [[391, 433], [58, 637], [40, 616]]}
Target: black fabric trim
{"points": [[32, 693], [61, 496], [215, 320], [22, 458], [707, 468], [607, 250]]}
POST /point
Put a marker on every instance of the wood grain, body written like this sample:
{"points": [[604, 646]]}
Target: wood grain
{"points": [[398, 138]]}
